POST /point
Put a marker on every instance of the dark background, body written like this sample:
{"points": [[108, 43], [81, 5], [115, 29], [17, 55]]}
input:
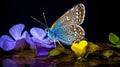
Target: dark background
{"points": [[101, 16]]}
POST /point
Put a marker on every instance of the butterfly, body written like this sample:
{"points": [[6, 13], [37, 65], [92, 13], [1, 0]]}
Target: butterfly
{"points": [[67, 28]]}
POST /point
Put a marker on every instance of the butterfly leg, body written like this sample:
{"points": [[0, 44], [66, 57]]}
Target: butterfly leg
{"points": [[55, 43], [60, 43]]}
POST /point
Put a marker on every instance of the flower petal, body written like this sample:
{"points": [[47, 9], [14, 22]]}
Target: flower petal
{"points": [[43, 43], [38, 33], [16, 31], [25, 35], [79, 48], [7, 43], [47, 40], [41, 51], [6, 37], [31, 43], [83, 44]]}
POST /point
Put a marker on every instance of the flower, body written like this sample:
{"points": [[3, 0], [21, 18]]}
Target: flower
{"points": [[79, 48], [40, 41], [7, 43]]}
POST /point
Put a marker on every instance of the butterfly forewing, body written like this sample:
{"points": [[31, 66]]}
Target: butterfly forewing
{"points": [[74, 15]]}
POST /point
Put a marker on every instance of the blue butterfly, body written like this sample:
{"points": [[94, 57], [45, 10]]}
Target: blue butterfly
{"points": [[67, 28]]}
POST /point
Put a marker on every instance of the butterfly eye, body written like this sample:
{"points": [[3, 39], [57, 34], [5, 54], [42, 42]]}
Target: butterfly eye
{"points": [[47, 30]]}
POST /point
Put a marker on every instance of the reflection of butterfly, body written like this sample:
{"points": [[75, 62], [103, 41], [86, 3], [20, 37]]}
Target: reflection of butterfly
{"points": [[66, 29]]}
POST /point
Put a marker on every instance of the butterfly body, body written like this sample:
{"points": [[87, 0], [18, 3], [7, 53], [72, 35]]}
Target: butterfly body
{"points": [[67, 28]]}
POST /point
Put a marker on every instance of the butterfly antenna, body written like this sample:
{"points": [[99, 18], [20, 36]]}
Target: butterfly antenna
{"points": [[38, 21], [45, 19]]}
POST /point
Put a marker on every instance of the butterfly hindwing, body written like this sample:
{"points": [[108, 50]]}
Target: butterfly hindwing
{"points": [[69, 33]]}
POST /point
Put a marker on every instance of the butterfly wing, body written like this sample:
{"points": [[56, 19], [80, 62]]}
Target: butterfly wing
{"points": [[69, 33], [75, 15], [66, 28]]}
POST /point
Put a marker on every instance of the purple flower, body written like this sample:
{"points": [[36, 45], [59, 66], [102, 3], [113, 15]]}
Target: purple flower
{"points": [[7, 43], [40, 42]]}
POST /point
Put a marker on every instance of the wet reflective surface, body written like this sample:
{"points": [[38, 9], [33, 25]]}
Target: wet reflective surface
{"points": [[60, 61], [28, 63], [105, 57], [37, 62], [25, 60]]}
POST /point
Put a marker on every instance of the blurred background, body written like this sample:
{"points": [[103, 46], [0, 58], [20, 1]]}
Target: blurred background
{"points": [[101, 16]]}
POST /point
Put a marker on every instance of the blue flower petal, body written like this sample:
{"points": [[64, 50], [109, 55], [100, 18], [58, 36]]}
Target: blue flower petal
{"points": [[38, 33], [25, 35], [41, 51], [47, 40], [6, 37], [7, 43], [31, 43], [16, 31], [43, 43]]}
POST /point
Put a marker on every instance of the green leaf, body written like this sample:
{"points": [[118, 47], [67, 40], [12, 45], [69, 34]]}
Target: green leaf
{"points": [[117, 44], [113, 38], [56, 51]]}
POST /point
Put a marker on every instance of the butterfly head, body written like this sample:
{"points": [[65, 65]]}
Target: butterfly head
{"points": [[50, 34], [47, 30]]}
